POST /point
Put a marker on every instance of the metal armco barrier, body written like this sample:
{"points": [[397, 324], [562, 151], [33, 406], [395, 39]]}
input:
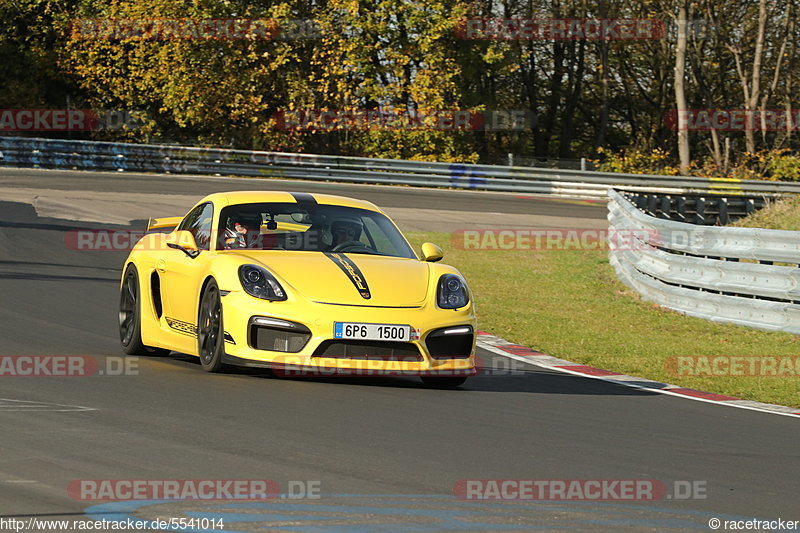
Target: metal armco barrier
{"points": [[718, 273], [709, 209], [92, 155]]}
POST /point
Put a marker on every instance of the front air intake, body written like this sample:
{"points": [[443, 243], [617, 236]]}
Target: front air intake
{"points": [[277, 335], [368, 350], [454, 342]]}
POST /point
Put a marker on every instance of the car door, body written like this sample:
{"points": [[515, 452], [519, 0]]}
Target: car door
{"points": [[182, 275]]}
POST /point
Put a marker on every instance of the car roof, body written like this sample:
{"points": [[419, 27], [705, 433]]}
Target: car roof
{"points": [[248, 197]]}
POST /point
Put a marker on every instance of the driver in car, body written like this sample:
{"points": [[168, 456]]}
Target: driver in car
{"points": [[236, 237], [345, 230], [243, 234]]}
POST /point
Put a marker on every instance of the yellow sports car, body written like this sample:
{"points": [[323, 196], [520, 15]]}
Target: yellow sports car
{"points": [[304, 284]]}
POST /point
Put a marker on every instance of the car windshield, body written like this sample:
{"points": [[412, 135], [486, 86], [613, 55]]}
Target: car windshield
{"points": [[310, 228]]}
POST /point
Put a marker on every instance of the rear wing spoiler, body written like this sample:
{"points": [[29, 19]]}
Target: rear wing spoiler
{"points": [[163, 223]]}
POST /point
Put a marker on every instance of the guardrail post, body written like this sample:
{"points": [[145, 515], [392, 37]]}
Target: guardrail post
{"points": [[680, 208], [666, 206], [722, 203], [700, 211], [652, 200]]}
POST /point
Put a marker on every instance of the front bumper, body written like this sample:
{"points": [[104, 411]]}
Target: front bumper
{"points": [[239, 308]]}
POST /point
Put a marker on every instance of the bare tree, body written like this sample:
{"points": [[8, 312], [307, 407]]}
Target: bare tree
{"points": [[680, 94], [751, 89]]}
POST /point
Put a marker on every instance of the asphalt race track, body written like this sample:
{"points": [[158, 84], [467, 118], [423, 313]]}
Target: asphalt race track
{"points": [[384, 453]]}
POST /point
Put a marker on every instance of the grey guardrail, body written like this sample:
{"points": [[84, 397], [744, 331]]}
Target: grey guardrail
{"points": [[93, 155], [723, 274]]}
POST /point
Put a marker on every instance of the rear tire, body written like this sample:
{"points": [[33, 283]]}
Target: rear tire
{"points": [[130, 316], [210, 330], [437, 382]]}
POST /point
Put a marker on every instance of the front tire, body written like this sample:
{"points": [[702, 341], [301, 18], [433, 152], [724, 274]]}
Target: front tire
{"points": [[210, 332], [130, 316]]}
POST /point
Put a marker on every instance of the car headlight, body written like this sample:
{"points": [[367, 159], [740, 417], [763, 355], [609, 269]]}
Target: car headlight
{"points": [[259, 283], [452, 292]]}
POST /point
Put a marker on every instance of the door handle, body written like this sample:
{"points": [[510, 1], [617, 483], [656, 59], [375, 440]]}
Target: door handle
{"points": [[161, 266]]}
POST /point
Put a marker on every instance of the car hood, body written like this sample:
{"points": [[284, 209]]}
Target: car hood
{"points": [[348, 279]]}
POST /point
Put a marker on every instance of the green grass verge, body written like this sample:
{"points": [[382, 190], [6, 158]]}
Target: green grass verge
{"points": [[569, 304], [781, 214]]}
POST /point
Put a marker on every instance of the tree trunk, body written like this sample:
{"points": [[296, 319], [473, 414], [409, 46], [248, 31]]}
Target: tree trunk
{"points": [[755, 86], [680, 95]]}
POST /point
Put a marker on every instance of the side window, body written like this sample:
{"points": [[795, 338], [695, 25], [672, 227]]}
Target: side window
{"points": [[198, 222], [190, 219]]}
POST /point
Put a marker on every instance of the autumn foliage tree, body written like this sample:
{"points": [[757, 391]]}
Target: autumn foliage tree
{"points": [[585, 97]]}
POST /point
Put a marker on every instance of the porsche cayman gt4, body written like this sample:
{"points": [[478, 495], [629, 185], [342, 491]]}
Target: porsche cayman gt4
{"points": [[308, 284]]}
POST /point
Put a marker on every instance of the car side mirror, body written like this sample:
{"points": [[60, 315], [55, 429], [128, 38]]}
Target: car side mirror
{"points": [[184, 241], [431, 253]]}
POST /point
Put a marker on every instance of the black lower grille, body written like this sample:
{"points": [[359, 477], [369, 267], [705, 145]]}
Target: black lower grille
{"points": [[444, 345], [369, 350]]}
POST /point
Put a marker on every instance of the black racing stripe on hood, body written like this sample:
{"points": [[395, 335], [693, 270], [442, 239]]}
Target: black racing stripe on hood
{"points": [[304, 198], [352, 271]]}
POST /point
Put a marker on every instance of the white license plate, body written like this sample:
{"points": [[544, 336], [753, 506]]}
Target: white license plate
{"points": [[371, 332]]}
